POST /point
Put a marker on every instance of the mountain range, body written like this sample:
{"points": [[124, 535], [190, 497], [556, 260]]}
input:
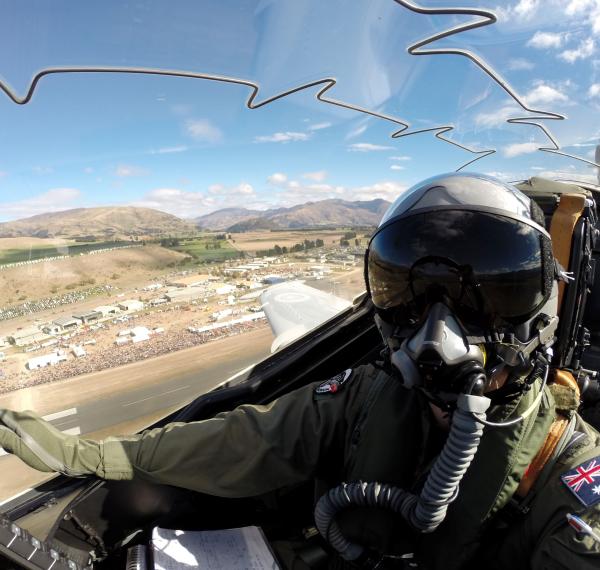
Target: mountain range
{"points": [[109, 222], [124, 221], [333, 212]]}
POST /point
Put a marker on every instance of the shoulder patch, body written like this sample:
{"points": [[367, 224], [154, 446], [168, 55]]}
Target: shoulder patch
{"points": [[334, 384], [584, 481]]}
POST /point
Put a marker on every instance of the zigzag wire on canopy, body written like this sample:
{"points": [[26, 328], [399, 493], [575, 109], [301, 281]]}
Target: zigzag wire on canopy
{"points": [[487, 18], [251, 102]]}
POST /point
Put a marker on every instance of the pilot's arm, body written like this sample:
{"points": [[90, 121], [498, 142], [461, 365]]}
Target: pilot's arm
{"points": [[245, 452]]}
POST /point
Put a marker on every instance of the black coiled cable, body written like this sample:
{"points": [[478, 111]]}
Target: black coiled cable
{"points": [[426, 511]]}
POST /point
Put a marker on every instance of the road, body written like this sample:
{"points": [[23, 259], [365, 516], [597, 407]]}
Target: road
{"points": [[126, 399]]}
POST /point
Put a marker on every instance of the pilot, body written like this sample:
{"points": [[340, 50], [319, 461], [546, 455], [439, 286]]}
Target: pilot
{"points": [[461, 448]]}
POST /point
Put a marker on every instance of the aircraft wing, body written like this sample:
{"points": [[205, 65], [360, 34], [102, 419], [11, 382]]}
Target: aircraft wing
{"points": [[294, 308]]}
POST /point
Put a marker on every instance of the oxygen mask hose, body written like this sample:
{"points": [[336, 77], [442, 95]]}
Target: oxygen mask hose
{"points": [[424, 512]]}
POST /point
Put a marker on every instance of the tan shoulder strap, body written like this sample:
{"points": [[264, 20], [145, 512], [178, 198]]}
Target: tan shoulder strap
{"points": [[566, 384], [562, 226]]}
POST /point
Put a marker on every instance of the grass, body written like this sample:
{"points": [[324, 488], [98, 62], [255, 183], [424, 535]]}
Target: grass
{"points": [[44, 251], [205, 249]]}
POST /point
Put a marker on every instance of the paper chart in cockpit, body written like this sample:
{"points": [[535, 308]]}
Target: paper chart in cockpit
{"points": [[232, 549]]}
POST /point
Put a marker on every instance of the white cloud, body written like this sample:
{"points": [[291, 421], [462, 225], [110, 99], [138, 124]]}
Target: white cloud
{"points": [[495, 118], [570, 175], [520, 64], [526, 8], [582, 144], [317, 176], [189, 204], [403, 158], [523, 9], [124, 170], [319, 126], [43, 169], [88, 170], [295, 192], [574, 13], [396, 167], [170, 149], [545, 94], [586, 11], [585, 49], [53, 200], [594, 90], [203, 130], [386, 190], [468, 101], [277, 178], [545, 40], [368, 147], [501, 175], [3, 173], [518, 149], [539, 168], [175, 201], [242, 189], [356, 132], [288, 136]]}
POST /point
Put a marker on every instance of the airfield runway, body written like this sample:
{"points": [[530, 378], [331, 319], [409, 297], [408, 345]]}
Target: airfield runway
{"points": [[128, 398]]}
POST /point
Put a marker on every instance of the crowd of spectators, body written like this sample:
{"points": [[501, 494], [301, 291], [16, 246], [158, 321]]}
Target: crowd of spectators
{"points": [[29, 307], [114, 356]]}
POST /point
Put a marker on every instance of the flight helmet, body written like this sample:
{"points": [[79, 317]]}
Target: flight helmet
{"points": [[474, 252]]}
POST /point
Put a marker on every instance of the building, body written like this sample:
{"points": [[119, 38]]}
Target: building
{"points": [[186, 295], [67, 323], [78, 351], [46, 360], [107, 310], [52, 329], [225, 289], [27, 336], [138, 334], [131, 305], [88, 317]]}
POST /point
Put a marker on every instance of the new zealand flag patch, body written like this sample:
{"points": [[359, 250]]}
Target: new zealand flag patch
{"points": [[334, 384], [584, 481]]}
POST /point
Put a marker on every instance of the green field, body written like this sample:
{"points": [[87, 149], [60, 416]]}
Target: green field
{"points": [[205, 249], [42, 252]]}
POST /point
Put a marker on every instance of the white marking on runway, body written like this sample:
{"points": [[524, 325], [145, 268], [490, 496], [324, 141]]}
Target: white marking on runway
{"points": [[58, 415], [71, 431], [156, 396], [3, 502]]}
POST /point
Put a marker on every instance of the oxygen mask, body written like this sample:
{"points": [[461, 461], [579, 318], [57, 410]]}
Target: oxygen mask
{"points": [[438, 358]]}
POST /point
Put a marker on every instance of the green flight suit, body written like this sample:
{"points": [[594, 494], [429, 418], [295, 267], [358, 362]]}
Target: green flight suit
{"points": [[371, 429]]}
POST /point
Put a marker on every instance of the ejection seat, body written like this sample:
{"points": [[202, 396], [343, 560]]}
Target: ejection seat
{"points": [[571, 218]]}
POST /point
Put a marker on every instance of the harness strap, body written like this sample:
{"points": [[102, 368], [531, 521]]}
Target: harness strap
{"points": [[566, 391]]}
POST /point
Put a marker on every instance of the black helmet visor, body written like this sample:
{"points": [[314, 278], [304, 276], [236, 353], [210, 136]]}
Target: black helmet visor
{"points": [[489, 267]]}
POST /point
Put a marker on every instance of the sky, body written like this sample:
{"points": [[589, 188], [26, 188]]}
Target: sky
{"points": [[191, 146]]}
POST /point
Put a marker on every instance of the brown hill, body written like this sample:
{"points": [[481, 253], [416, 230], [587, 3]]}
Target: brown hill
{"points": [[107, 222], [326, 213]]}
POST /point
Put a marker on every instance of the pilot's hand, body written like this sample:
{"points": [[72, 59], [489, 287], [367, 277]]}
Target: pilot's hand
{"points": [[45, 448]]}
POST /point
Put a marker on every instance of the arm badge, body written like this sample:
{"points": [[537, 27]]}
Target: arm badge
{"points": [[584, 481], [334, 384]]}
